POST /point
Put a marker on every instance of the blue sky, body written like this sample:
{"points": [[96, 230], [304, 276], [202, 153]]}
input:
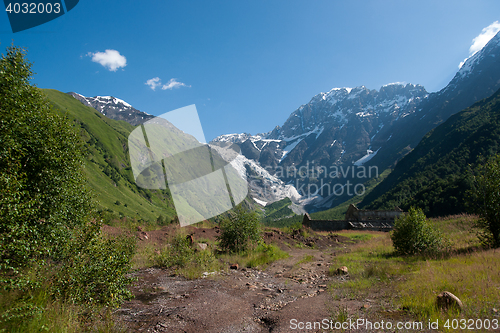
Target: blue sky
{"points": [[248, 64]]}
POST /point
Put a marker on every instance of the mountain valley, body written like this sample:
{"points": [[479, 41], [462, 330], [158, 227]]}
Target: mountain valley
{"points": [[325, 147]]}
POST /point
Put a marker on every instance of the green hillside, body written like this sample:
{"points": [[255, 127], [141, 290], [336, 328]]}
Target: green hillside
{"points": [[435, 176], [338, 212], [107, 165], [278, 214]]}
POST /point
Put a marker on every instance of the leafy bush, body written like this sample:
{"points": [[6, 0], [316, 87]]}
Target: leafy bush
{"points": [[484, 199], [202, 261], [178, 253], [413, 234], [189, 263], [239, 231], [163, 220], [95, 269]]}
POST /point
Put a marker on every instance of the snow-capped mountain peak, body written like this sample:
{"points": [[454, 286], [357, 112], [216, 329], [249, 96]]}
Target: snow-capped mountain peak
{"points": [[334, 128], [114, 108], [491, 49], [111, 99]]}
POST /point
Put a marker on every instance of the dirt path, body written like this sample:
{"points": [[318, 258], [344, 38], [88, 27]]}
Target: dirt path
{"points": [[276, 299]]}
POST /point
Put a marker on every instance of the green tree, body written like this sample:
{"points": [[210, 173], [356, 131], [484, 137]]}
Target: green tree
{"points": [[239, 231], [413, 234], [484, 200], [42, 189]]}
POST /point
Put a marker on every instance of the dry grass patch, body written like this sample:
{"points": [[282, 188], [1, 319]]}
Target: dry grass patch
{"points": [[459, 230], [474, 278]]}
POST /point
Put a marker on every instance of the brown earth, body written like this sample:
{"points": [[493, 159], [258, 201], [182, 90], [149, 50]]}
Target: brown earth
{"points": [[274, 299]]}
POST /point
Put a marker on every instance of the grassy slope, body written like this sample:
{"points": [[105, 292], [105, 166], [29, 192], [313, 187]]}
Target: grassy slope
{"points": [[435, 175], [107, 163]]}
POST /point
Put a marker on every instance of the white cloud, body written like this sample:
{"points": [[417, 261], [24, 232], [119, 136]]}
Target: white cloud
{"points": [[111, 59], [172, 83], [482, 39], [154, 82]]}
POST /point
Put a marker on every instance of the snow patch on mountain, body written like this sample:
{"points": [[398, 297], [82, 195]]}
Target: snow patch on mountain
{"points": [[380, 127], [289, 148], [260, 202], [317, 130], [111, 99], [369, 155], [235, 137], [272, 189]]}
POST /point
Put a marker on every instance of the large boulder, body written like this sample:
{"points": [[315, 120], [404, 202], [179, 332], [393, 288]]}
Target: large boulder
{"points": [[447, 300]]}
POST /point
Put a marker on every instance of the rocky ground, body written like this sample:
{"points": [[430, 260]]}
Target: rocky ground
{"points": [[274, 299]]}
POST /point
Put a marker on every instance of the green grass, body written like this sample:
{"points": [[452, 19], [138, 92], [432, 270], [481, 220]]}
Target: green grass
{"points": [[203, 261], [183, 258], [369, 263], [306, 258], [260, 257], [459, 230], [300, 245], [143, 257], [264, 254], [356, 236]]}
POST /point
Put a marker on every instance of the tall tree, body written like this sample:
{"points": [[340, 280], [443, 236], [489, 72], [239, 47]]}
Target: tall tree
{"points": [[43, 193], [485, 201]]}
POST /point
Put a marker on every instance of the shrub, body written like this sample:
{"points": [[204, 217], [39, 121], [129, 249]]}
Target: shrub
{"points": [[201, 262], [484, 199], [239, 231], [178, 253], [187, 262], [413, 234]]}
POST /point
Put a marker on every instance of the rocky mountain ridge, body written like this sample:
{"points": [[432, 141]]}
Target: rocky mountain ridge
{"points": [[327, 122]]}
